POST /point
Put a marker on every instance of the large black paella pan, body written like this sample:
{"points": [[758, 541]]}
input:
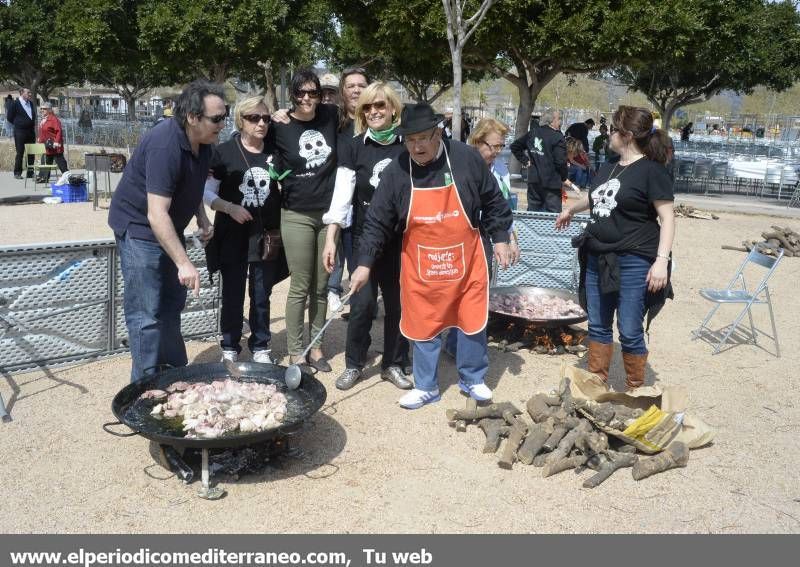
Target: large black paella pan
{"points": [[134, 412]]}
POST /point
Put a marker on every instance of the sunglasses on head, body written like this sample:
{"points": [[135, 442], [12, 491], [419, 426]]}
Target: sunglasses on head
{"points": [[311, 93], [377, 105], [256, 118]]}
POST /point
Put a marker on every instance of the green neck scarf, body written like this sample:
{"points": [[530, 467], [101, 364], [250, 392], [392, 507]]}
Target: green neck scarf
{"points": [[383, 136]]}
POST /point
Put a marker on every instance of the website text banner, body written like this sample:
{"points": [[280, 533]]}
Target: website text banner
{"points": [[394, 550]]}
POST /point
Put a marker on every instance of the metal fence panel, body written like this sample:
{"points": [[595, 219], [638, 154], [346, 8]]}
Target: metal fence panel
{"points": [[547, 257], [64, 302]]}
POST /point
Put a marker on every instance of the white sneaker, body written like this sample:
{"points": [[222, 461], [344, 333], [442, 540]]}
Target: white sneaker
{"points": [[334, 302], [418, 398], [479, 392], [230, 356], [263, 356]]}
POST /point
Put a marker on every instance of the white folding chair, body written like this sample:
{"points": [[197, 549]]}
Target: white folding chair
{"points": [[734, 294]]}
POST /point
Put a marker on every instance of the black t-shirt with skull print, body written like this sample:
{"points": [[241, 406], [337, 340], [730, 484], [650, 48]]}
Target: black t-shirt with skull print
{"points": [[308, 149], [621, 200], [246, 184], [368, 159]]}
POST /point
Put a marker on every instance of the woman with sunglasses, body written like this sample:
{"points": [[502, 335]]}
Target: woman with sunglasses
{"points": [[489, 139], [306, 145], [361, 162], [246, 198], [625, 251]]}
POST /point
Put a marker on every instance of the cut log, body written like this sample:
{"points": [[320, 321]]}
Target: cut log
{"points": [[615, 462], [538, 408], [568, 441], [495, 429], [563, 464], [519, 429], [559, 431], [533, 443], [674, 456], [737, 248], [461, 424], [493, 410]]}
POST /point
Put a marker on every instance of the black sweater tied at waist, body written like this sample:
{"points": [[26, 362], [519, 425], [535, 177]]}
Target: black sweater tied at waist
{"points": [[609, 272]]}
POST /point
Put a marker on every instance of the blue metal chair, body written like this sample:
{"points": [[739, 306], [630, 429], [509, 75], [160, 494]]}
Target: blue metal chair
{"points": [[739, 294]]}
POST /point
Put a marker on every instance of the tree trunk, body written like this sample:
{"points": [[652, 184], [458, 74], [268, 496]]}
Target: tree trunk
{"points": [[130, 100], [456, 125], [270, 96]]}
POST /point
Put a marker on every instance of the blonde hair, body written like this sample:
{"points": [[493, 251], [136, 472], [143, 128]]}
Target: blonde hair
{"points": [[485, 127], [247, 106], [368, 96]]}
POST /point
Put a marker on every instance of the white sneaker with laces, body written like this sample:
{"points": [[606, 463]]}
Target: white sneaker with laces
{"points": [[263, 356], [418, 398], [479, 392], [334, 302], [230, 356]]}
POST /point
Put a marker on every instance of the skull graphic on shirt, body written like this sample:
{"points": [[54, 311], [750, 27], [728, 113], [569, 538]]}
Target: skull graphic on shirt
{"points": [[377, 170], [313, 148], [604, 197], [254, 187]]}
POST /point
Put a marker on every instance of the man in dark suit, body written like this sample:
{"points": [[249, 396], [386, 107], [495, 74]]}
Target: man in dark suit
{"points": [[22, 115]]}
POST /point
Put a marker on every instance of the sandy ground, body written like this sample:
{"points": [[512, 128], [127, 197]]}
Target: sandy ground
{"points": [[370, 466]]}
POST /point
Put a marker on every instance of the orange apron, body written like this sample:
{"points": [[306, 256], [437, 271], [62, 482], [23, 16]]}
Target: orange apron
{"points": [[444, 276]]}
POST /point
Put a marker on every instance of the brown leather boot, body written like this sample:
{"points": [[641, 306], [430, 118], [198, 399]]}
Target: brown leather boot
{"points": [[634, 369], [600, 358]]}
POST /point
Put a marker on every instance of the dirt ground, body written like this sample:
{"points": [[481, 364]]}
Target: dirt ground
{"points": [[370, 466]]}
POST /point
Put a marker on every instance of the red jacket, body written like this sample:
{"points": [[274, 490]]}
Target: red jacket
{"points": [[50, 128]]}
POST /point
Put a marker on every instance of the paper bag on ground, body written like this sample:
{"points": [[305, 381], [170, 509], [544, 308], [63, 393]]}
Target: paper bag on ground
{"points": [[663, 416]]}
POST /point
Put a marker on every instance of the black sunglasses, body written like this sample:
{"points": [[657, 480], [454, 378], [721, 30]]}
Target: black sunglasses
{"points": [[312, 93], [256, 118], [377, 105], [216, 119]]}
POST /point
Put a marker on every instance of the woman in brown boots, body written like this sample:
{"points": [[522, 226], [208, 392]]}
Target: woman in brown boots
{"points": [[625, 250]]}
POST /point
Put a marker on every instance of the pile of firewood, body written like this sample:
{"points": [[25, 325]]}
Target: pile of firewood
{"points": [[559, 436], [780, 237], [689, 211]]}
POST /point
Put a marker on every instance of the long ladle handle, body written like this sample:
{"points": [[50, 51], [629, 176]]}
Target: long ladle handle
{"points": [[345, 301]]}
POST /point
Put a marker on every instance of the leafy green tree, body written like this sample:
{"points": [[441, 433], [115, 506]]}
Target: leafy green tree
{"points": [[102, 37], [729, 45], [399, 40], [219, 39], [531, 42], [30, 55]]}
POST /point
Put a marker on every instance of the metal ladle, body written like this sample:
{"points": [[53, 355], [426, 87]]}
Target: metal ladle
{"points": [[293, 374]]}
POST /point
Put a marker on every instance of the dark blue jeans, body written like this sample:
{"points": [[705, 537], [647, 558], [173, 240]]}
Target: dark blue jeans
{"points": [[344, 255], [154, 299], [628, 303], [261, 276]]}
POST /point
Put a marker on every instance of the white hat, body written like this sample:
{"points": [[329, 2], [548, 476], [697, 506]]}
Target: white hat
{"points": [[329, 81]]}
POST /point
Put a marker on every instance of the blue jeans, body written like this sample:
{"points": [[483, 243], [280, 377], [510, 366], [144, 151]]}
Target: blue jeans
{"points": [[154, 299], [262, 277], [472, 360], [628, 303], [344, 253]]}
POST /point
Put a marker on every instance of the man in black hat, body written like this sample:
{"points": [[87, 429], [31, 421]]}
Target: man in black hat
{"points": [[442, 197]]}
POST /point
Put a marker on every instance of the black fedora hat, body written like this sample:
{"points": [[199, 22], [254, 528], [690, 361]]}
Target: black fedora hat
{"points": [[418, 118]]}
